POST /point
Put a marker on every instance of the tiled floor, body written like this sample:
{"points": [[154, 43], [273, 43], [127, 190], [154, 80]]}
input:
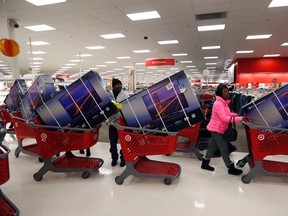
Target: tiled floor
{"points": [[195, 192]]}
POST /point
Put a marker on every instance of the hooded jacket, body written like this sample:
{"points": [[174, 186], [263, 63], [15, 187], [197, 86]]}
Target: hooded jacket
{"points": [[221, 115]]}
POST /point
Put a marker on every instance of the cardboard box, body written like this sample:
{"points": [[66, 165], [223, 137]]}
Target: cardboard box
{"points": [[84, 103], [41, 90], [16, 93], [169, 105], [270, 110]]}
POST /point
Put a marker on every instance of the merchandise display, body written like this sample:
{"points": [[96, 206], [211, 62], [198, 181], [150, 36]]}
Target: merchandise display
{"points": [[270, 110], [169, 105], [39, 92], [16, 93], [84, 103]]}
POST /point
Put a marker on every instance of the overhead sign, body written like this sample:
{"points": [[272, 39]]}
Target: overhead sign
{"points": [[159, 62], [63, 76]]}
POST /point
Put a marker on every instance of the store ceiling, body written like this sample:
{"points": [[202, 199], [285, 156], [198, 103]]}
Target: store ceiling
{"points": [[79, 23]]}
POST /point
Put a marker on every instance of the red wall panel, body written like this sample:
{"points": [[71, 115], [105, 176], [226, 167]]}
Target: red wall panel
{"points": [[262, 70]]}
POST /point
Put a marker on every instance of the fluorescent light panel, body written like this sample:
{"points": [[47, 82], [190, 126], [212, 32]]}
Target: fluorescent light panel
{"points": [[179, 54], [271, 55], [278, 3], [185, 62], [284, 44], [38, 28], [141, 51], [244, 51], [168, 42], [38, 43], [123, 57], [253, 37], [143, 15], [84, 55], [210, 47], [211, 57], [211, 27], [95, 47], [112, 36], [46, 2]]}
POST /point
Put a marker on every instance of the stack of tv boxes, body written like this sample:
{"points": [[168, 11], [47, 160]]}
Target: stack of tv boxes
{"points": [[270, 110], [170, 104]]}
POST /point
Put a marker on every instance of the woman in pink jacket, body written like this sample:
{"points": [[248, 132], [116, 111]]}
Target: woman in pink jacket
{"points": [[219, 121]]}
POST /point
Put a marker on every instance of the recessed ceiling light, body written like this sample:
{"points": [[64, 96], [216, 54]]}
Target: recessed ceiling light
{"points": [[37, 52], [278, 3], [38, 43], [84, 55], [141, 51], [70, 64], [112, 36], [190, 66], [271, 55], [77, 60], [179, 54], [211, 63], [211, 57], [46, 2], [168, 42], [252, 37], [37, 59], [38, 28], [95, 47], [244, 51], [210, 47], [284, 44], [211, 27], [101, 65], [139, 63], [123, 57], [185, 62], [143, 15], [110, 62]]}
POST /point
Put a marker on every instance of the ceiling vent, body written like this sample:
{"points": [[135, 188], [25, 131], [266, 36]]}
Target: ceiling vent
{"points": [[209, 16]]}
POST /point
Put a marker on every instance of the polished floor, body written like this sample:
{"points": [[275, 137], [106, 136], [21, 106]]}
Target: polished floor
{"points": [[195, 192]]}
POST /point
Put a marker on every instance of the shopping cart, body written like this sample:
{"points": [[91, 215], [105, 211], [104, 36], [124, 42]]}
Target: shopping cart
{"points": [[137, 144], [262, 142], [24, 131], [54, 140], [7, 208], [192, 133], [6, 119]]}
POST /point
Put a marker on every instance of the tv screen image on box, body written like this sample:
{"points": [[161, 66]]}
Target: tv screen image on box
{"points": [[84, 103], [16, 93], [270, 110], [169, 105], [41, 90]]}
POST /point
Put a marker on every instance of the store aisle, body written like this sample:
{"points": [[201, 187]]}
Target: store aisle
{"points": [[196, 192]]}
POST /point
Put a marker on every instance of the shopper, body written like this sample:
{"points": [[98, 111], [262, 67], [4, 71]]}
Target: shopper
{"points": [[119, 95], [217, 125]]}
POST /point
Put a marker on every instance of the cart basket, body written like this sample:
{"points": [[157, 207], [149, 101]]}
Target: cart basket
{"points": [[4, 164], [266, 141], [143, 142]]}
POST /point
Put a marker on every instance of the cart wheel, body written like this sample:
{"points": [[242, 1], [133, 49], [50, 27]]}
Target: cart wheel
{"points": [[85, 174], [245, 180], [118, 180], [240, 163], [40, 160], [167, 181], [37, 177]]}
